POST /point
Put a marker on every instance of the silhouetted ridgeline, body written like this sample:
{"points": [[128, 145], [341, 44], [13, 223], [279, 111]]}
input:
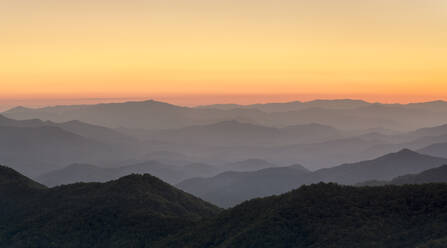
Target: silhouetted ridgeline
{"points": [[435, 175], [133, 211], [230, 188], [345, 114], [142, 211], [328, 215]]}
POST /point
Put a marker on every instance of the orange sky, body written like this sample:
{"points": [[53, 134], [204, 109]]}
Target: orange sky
{"points": [[203, 51]]}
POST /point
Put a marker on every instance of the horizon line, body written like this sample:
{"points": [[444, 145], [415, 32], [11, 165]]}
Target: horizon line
{"points": [[154, 99]]}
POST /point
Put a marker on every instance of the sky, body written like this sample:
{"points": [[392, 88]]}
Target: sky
{"points": [[208, 51]]}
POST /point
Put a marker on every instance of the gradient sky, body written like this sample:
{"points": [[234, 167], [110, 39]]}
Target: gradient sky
{"points": [[202, 51]]}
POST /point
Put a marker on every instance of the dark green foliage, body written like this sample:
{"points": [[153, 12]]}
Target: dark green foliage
{"points": [[9, 176], [133, 211], [329, 215], [143, 211], [439, 243]]}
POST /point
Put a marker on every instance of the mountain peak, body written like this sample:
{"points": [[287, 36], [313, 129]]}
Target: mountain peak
{"points": [[299, 167], [9, 176], [401, 154], [406, 151], [17, 109]]}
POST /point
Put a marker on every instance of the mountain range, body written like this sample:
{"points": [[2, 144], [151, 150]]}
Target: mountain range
{"points": [[343, 114], [75, 173], [50, 145], [170, 173], [133, 211], [435, 175], [230, 188], [329, 215], [143, 211]]}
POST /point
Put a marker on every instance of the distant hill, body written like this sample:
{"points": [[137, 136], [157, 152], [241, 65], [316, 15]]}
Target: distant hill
{"points": [[133, 211], [343, 114], [438, 149], [145, 114], [228, 189], [430, 131], [382, 168], [75, 173], [222, 133], [51, 145], [233, 132], [47, 148], [328, 215], [293, 106], [98, 133], [248, 165], [435, 175]]}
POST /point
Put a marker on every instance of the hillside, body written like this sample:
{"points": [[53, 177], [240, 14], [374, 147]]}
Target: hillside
{"points": [[344, 114], [382, 168], [438, 149], [330, 216], [230, 188], [75, 173], [132, 211], [10, 177], [435, 175], [248, 165], [98, 133], [47, 148], [142, 211], [230, 133]]}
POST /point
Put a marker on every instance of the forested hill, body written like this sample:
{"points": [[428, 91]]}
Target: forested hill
{"points": [[329, 216], [133, 211], [143, 211]]}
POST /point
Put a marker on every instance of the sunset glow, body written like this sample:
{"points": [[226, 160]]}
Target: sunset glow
{"points": [[196, 52]]}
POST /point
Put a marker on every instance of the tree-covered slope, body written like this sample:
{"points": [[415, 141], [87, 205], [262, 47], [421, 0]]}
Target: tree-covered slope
{"points": [[133, 211], [329, 215]]}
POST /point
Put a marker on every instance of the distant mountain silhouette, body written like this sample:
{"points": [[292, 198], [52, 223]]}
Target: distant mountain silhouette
{"points": [[129, 212], [382, 168], [230, 133], [430, 131], [226, 133], [50, 145], [343, 114], [248, 165], [230, 188], [435, 175], [293, 106], [47, 148], [98, 133], [322, 154], [75, 173], [439, 149]]}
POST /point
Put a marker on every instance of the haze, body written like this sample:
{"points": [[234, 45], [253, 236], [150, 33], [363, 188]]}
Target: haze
{"points": [[203, 52]]}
